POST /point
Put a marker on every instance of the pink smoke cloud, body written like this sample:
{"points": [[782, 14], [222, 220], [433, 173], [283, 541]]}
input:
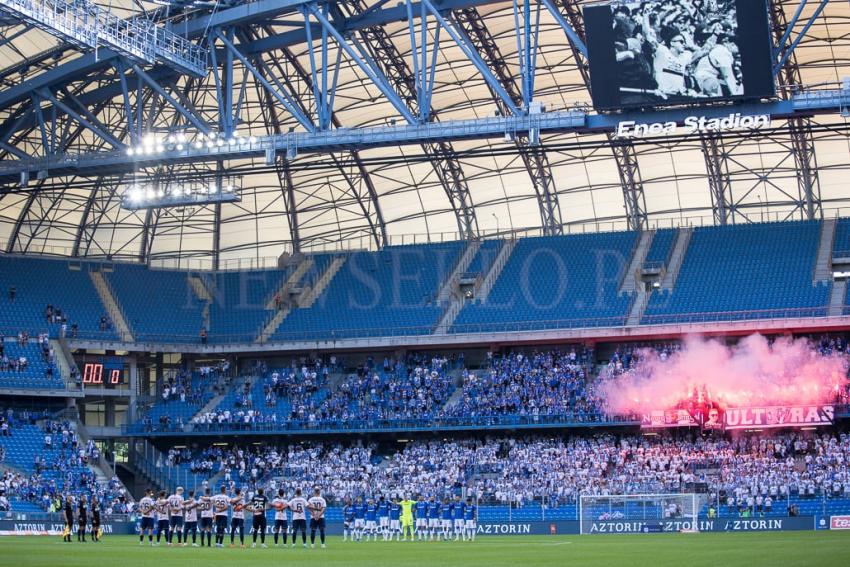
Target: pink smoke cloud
{"points": [[752, 373]]}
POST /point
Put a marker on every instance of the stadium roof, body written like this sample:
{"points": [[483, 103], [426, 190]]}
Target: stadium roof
{"points": [[399, 194]]}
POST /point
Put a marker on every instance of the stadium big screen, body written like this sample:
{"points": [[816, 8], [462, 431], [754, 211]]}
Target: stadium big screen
{"points": [[660, 52]]}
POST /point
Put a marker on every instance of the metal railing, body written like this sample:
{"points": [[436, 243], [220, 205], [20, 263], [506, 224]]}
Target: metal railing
{"points": [[152, 463], [476, 329], [365, 242], [340, 426], [86, 24], [336, 426]]}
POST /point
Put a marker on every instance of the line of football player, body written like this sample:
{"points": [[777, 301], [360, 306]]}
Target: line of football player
{"points": [[177, 517]]}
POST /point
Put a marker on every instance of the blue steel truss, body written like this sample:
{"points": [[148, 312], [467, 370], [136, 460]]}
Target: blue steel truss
{"points": [[99, 163], [88, 25], [39, 100]]}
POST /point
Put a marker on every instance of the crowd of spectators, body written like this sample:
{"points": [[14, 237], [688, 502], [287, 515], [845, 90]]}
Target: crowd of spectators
{"points": [[417, 386], [539, 383], [746, 475], [61, 468], [193, 388], [18, 361], [526, 385]]}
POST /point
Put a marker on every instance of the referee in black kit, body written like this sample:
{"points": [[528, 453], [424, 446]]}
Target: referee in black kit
{"points": [[69, 519], [82, 518]]}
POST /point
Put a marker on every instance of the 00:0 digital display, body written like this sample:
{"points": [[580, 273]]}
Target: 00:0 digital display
{"points": [[93, 374]]}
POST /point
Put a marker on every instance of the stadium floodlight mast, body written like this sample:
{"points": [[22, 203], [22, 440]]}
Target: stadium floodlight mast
{"points": [[178, 193]]}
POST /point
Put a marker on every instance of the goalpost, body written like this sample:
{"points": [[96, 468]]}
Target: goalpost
{"points": [[636, 513]]}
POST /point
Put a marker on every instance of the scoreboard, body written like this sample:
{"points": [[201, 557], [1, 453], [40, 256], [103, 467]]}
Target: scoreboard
{"points": [[103, 371]]}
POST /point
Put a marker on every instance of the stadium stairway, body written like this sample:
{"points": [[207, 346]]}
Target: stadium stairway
{"points": [[632, 284], [631, 278], [450, 295], [208, 407], [102, 469], [108, 298], [640, 299], [289, 286], [823, 264], [199, 288], [150, 462], [677, 256], [837, 297], [310, 295], [291, 283], [64, 361], [495, 270], [454, 399]]}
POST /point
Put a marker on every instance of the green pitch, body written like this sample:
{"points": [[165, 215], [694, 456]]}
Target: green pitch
{"points": [[789, 549]]}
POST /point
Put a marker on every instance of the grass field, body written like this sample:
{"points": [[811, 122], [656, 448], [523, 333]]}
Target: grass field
{"points": [[788, 549]]}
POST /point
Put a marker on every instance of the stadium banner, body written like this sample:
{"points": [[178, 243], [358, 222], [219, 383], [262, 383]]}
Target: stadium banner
{"points": [[24, 527], [780, 524], [777, 416], [668, 418], [839, 522], [500, 528], [565, 527]]}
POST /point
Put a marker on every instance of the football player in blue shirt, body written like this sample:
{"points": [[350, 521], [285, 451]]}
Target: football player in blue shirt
{"points": [[446, 519], [459, 510], [433, 518], [421, 513], [470, 517], [359, 518], [395, 519], [384, 517], [371, 520]]}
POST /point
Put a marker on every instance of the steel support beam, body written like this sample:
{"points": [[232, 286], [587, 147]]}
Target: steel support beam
{"points": [[634, 201], [719, 181], [377, 79], [287, 188], [88, 121], [99, 163], [279, 95], [799, 129], [368, 200], [443, 158], [534, 158], [624, 152]]}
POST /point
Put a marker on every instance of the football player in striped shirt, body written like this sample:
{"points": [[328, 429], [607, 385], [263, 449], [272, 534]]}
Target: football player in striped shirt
{"points": [[348, 520], [395, 519], [280, 505], [161, 507], [317, 506], [175, 516], [237, 521], [220, 504], [298, 505], [146, 509], [371, 520], [384, 517], [359, 519], [459, 510], [205, 505], [190, 509], [433, 518]]}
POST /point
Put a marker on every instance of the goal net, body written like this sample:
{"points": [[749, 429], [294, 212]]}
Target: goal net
{"points": [[638, 513]]}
